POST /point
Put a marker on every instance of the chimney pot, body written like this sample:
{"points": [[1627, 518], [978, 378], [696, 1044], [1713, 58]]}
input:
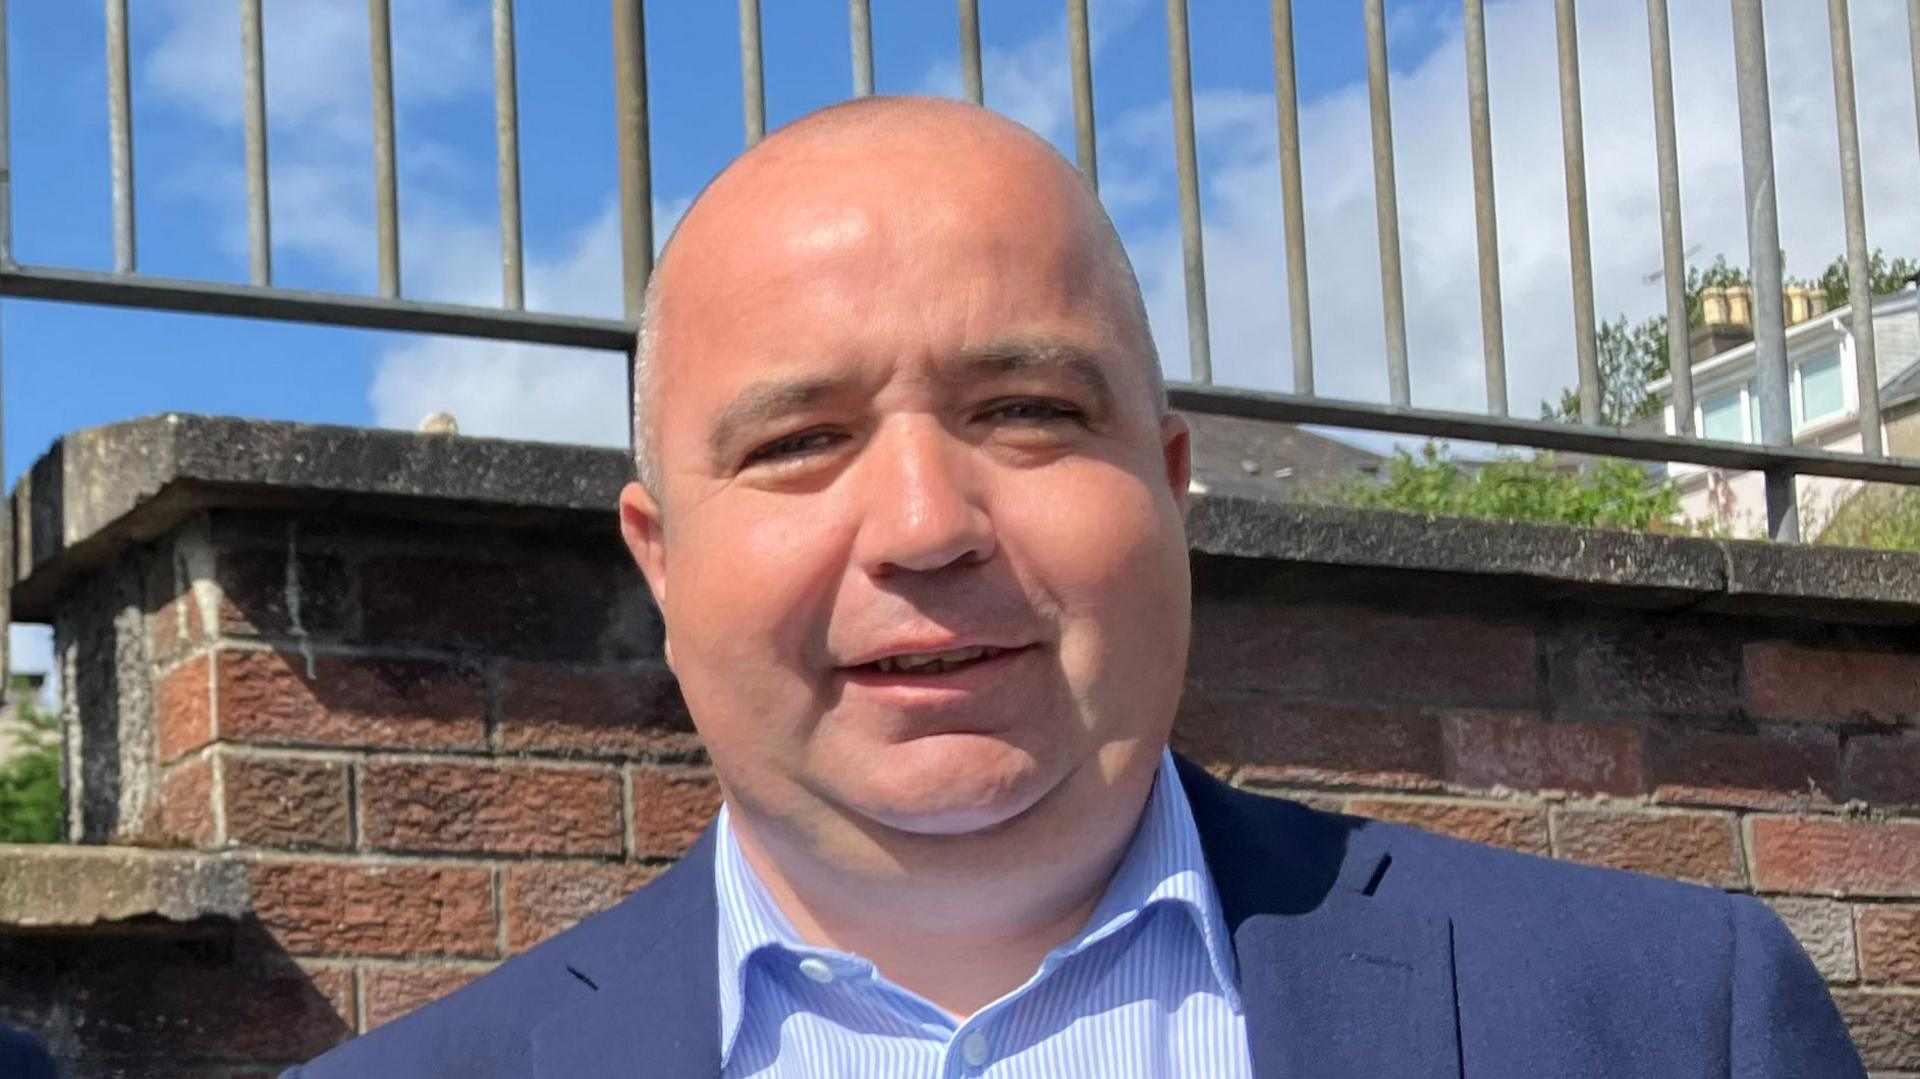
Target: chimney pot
{"points": [[1713, 305], [1740, 305]]}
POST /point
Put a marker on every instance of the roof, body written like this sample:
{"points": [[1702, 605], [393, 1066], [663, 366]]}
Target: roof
{"points": [[1267, 460]]}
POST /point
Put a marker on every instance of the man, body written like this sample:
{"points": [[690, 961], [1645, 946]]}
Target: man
{"points": [[22, 1056], [911, 505]]}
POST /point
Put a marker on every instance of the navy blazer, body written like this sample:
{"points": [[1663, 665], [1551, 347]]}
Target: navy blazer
{"points": [[1365, 950], [22, 1056]]}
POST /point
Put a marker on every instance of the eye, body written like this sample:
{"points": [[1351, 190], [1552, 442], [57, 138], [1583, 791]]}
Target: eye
{"points": [[791, 446], [1040, 411]]}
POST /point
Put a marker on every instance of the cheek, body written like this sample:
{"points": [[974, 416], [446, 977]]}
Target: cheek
{"points": [[749, 594], [1113, 557]]}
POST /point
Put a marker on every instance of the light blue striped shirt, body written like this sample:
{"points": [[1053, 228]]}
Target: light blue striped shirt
{"points": [[1147, 988]]}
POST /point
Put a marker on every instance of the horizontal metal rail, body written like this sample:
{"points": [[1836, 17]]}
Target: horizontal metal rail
{"points": [[322, 308], [1540, 434]]}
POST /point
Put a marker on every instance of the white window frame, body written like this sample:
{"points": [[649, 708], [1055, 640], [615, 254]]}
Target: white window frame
{"points": [[1747, 404]]}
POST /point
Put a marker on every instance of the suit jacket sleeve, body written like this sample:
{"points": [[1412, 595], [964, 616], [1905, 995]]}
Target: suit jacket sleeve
{"points": [[1784, 1022]]}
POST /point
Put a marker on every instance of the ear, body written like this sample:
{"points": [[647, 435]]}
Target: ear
{"points": [[1176, 448], [641, 528]]}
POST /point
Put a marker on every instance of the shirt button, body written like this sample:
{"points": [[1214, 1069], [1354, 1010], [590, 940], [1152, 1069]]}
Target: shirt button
{"points": [[973, 1049], [816, 969]]}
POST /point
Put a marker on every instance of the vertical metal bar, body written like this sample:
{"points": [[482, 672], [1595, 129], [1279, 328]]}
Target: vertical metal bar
{"points": [[120, 124], [1853, 206], [1199, 349], [1673, 257], [1913, 47], [970, 51], [385, 176], [1386, 204], [753, 91], [259, 219], [860, 27], [1763, 251], [1287, 106], [1085, 152], [506, 136], [1579, 242], [636, 162], [1480, 128], [6, 169], [7, 570]]}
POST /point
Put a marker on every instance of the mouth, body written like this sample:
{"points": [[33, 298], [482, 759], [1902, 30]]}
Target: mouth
{"points": [[950, 667]]}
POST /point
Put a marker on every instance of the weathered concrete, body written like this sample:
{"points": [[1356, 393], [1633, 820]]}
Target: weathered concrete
{"points": [[100, 488], [72, 887]]}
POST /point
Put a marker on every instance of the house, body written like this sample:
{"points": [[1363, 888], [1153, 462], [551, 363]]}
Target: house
{"points": [[1270, 461], [1824, 390]]}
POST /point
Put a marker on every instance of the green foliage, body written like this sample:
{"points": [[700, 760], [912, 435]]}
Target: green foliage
{"points": [[1609, 494], [1631, 359], [30, 803], [1885, 518], [1884, 276]]}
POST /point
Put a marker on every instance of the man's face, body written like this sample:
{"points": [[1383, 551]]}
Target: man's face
{"points": [[900, 412]]}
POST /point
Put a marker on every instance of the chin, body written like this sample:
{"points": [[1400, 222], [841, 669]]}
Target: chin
{"points": [[948, 785]]}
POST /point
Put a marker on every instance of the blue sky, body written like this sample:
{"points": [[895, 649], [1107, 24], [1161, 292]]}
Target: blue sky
{"points": [[72, 367]]}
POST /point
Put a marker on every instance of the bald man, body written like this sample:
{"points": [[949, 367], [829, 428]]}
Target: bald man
{"points": [[911, 503]]}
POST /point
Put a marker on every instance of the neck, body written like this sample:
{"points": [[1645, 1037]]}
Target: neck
{"points": [[958, 920]]}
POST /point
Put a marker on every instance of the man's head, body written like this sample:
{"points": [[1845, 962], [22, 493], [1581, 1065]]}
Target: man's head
{"points": [[900, 399]]}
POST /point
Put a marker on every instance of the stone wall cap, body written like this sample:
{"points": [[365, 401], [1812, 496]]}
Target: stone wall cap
{"points": [[99, 489], [60, 886]]}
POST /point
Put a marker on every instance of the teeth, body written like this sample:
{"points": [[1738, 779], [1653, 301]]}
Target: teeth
{"points": [[935, 662]]}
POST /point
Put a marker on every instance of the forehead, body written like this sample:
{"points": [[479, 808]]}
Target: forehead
{"points": [[840, 254]]}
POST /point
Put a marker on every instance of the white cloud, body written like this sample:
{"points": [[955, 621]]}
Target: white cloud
{"points": [[513, 390], [1245, 264]]}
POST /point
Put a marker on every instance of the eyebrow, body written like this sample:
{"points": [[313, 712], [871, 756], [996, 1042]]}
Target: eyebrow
{"points": [[764, 401], [1045, 356]]}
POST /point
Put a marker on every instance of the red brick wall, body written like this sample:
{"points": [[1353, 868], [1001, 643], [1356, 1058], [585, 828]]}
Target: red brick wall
{"points": [[1777, 756], [436, 745]]}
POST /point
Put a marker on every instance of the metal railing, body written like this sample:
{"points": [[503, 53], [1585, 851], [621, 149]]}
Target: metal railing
{"points": [[1774, 454]]}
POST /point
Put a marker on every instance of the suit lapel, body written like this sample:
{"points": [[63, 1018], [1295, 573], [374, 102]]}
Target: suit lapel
{"points": [[655, 1009], [1338, 981]]}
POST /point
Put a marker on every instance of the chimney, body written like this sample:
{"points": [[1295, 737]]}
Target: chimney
{"points": [[1726, 322], [1798, 304]]}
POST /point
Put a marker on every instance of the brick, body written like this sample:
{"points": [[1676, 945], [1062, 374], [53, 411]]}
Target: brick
{"points": [[1885, 1026], [175, 627], [543, 898], [1882, 769], [670, 809], [1698, 847], [1516, 827], [287, 802], [1523, 752], [186, 804], [1890, 944], [254, 593], [557, 605], [500, 809], [1310, 743], [393, 911], [269, 698], [629, 713], [1825, 929], [1836, 857], [183, 710], [1359, 654], [1792, 769], [391, 992], [1788, 681], [1643, 667]]}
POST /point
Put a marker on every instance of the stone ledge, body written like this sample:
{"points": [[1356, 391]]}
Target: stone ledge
{"points": [[102, 488], [58, 886]]}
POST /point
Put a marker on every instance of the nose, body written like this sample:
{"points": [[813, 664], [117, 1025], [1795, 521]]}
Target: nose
{"points": [[922, 503]]}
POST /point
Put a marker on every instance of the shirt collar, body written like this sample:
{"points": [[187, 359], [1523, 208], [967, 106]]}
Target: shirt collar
{"points": [[1164, 865]]}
